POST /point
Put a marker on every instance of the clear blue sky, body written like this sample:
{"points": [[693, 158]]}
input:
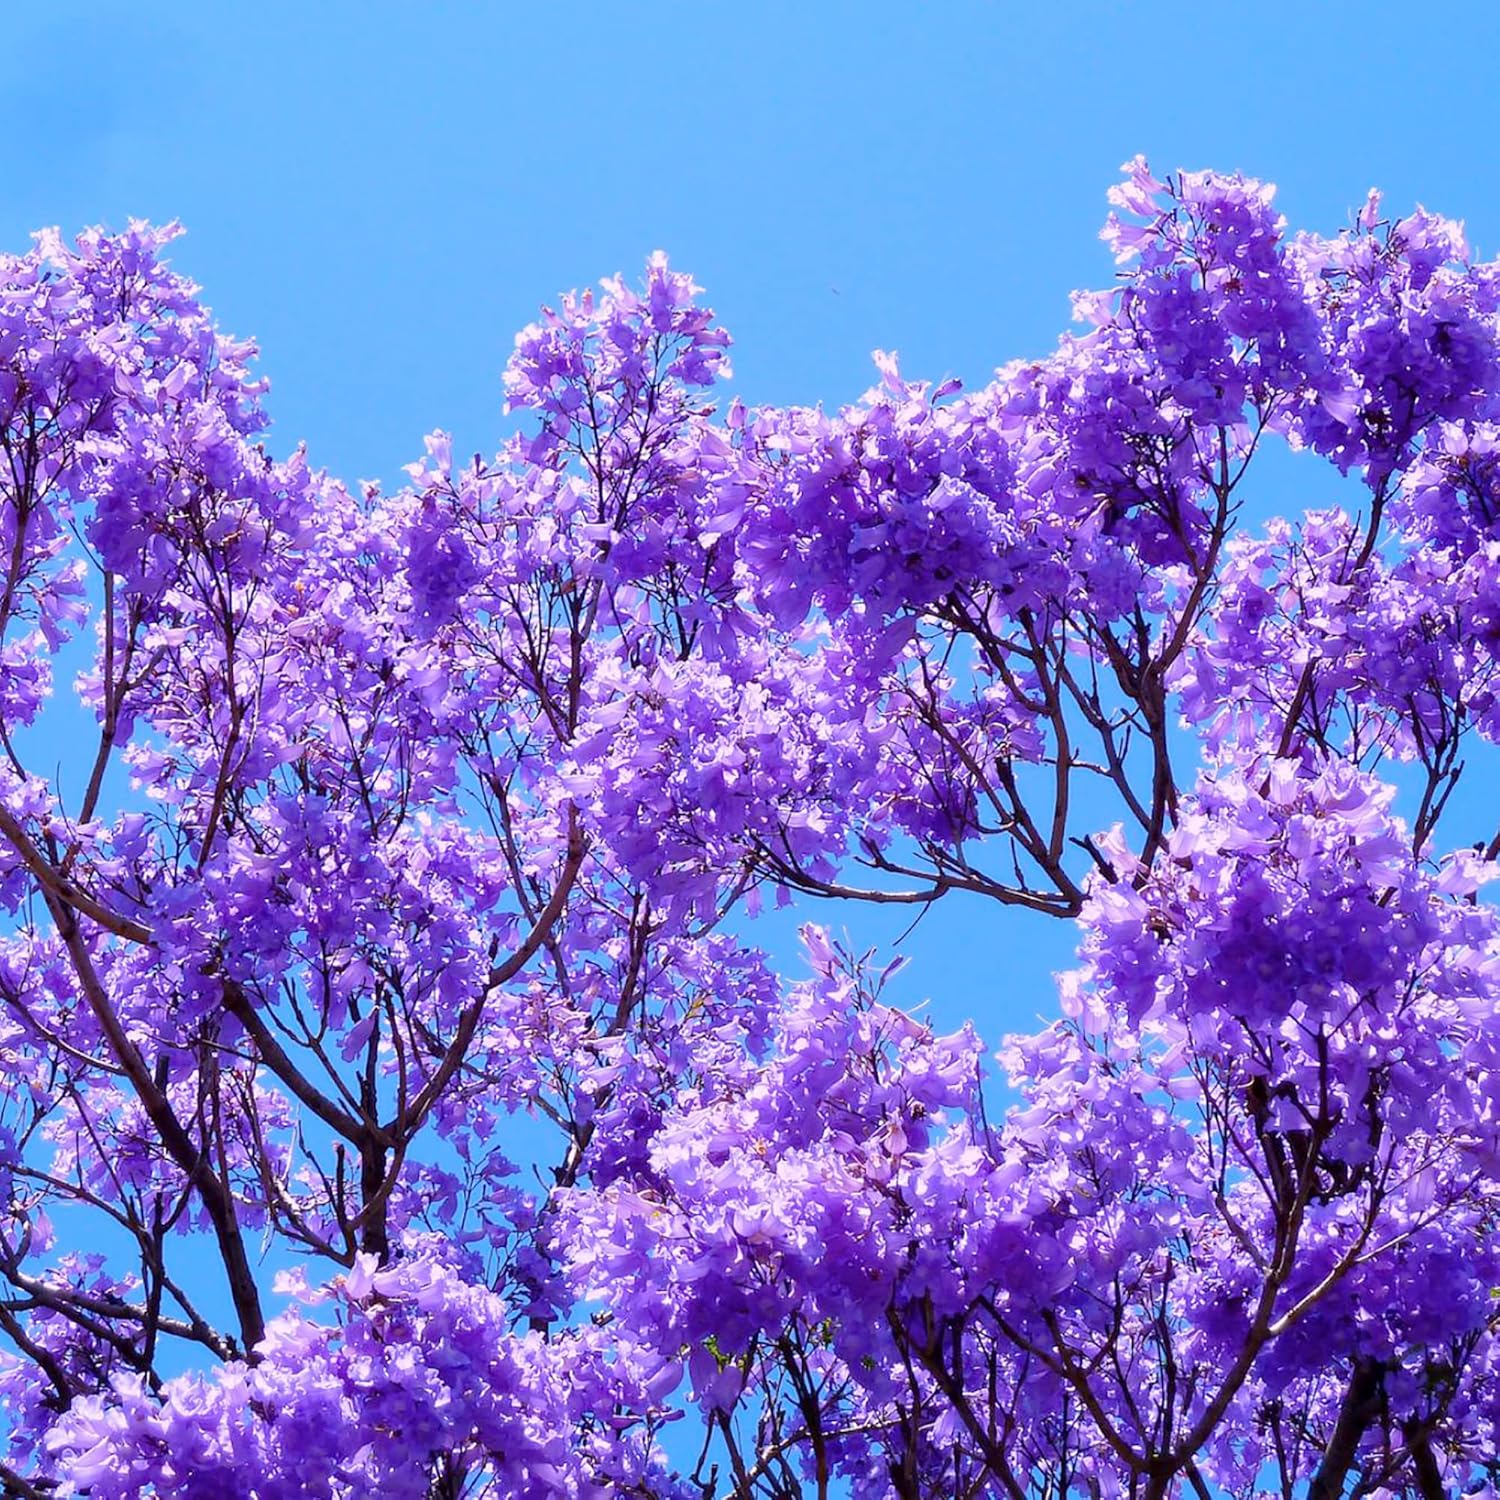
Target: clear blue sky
{"points": [[381, 193]]}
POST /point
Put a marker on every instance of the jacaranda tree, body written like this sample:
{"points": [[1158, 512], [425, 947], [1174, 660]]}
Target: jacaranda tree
{"points": [[389, 1108]]}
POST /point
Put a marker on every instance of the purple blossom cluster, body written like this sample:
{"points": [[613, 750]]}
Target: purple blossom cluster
{"points": [[393, 1104], [423, 1356]]}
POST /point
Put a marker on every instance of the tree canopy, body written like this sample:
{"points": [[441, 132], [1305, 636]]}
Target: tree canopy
{"points": [[391, 1107]]}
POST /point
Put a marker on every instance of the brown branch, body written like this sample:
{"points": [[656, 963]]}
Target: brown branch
{"points": [[1360, 1407], [275, 1056], [409, 1118], [59, 888], [215, 1195]]}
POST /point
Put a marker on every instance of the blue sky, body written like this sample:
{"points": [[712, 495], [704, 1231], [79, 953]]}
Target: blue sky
{"points": [[381, 193]]}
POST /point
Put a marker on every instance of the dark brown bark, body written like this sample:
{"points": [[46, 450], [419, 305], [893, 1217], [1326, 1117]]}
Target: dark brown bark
{"points": [[1424, 1462], [1360, 1407]]}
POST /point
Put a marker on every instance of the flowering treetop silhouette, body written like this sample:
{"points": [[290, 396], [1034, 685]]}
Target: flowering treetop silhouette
{"points": [[402, 816]]}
